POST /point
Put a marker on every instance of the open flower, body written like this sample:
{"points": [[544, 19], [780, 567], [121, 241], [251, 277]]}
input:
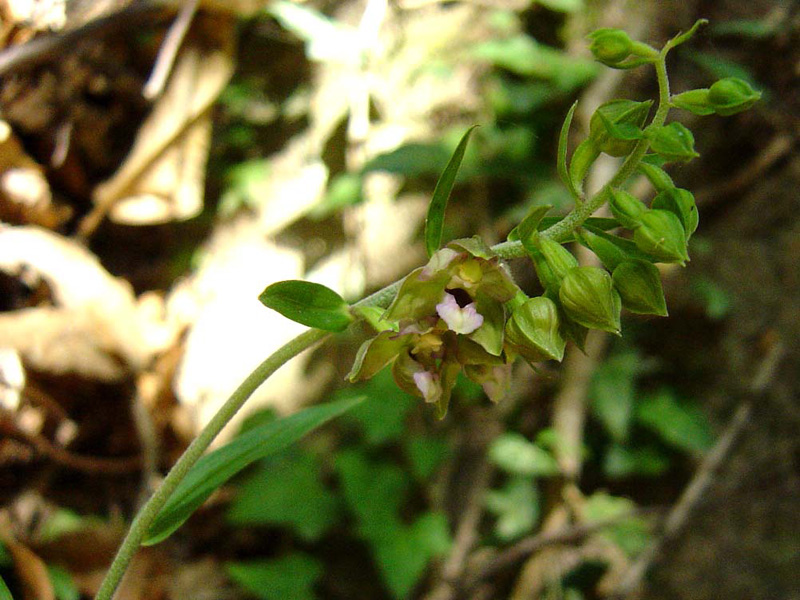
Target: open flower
{"points": [[450, 316]]}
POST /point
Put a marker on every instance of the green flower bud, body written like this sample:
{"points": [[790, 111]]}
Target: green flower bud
{"points": [[589, 298], [681, 202], [627, 208], [533, 330], [661, 235], [615, 126], [639, 285], [657, 176], [731, 95], [672, 142], [695, 101], [610, 46]]}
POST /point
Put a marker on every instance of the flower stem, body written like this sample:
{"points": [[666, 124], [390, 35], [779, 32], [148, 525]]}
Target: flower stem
{"points": [[195, 450]]}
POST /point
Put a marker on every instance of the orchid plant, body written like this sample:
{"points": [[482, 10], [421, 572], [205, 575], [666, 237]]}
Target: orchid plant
{"points": [[462, 311]]}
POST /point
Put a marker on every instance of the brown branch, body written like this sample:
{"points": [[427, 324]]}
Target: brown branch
{"points": [[87, 464], [169, 50]]}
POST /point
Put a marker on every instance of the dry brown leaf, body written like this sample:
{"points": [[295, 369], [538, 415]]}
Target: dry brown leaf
{"points": [[30, 569], [163, 176], [96, 328]]}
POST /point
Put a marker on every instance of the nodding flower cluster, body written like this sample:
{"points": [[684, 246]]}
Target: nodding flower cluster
{"points": [[450, 316]]}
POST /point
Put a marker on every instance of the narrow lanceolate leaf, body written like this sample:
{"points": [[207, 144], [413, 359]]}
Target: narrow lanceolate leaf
{"points": [[5, 593], [563, 138], [434, 222], [308, 303], [217, 467]]}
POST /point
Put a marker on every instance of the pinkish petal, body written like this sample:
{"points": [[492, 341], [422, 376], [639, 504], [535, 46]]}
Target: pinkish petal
{"points": [[460, 320]]}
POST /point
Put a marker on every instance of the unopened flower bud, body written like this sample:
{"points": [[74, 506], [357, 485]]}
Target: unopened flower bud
{"points": [[681, 202], [627, 208], [588, 297], [639, 285], [610, 46], [615, 126], [533, 330], [661, 235], [731, 95], [674, 142]]}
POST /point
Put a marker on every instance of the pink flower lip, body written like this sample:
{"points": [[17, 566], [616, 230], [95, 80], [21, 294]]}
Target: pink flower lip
{"points": [[460, 320]]}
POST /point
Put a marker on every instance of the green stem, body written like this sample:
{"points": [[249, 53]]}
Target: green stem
{"points": [[195, 450], [506, 250]]}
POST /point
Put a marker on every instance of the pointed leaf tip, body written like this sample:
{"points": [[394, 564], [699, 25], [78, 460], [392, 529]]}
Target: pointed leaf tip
{"points": [[434, 222]]}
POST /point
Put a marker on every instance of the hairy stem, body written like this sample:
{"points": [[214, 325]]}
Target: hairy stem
{"points": [[195, 450]]}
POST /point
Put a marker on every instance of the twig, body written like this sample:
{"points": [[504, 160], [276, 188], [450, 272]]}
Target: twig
{"points": [[87, 464], [693, 494], [529, 545], [169, 50]]}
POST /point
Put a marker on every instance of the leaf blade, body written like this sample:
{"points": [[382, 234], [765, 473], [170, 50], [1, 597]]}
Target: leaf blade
{"points": [[434, 221], [215, 468], [308, 303]]}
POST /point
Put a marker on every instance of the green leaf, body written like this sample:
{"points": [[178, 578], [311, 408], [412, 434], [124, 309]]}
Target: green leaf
{"points": [[425, 454], [563, 138], [5, 593], [517, 456], [404, 555], [612, 393], [622, 461], [311, 304], [678, 423], [382, 416], [516, 507], [411, 160], [434, 222], [63, 585], [291, 577], [215, 468], [631, 535], [287, 492]]}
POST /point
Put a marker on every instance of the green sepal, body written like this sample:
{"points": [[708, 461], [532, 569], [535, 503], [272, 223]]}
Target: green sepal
{"points": [[473, 245], [534, 330], [661, 235], [681, 202], [674, 142], [658, 177], [732, 95], [695, 101], [494, 379], [310, 304], [589, 298], [490, 334], [376, 353], [639, 285], [374, 316], [418, 295], [615, 126], [626, 208]]}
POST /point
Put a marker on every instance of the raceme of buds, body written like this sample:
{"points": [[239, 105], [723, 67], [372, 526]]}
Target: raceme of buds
{"points": [[533, 331], [661, 235], [731, 95], [588, 297], [639, 285], [627, 208], [615, 126], [450, 317]]}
